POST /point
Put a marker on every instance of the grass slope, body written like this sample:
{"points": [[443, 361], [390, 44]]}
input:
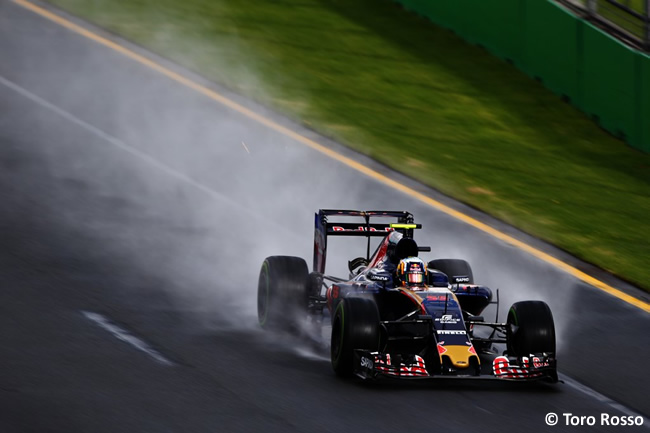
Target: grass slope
{"points": [[420, 100]]}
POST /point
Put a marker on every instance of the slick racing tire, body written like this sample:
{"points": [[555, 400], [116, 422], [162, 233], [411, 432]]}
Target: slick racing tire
{"points": [[282, 292], [355, 325], [453, 268], [530, 329]]}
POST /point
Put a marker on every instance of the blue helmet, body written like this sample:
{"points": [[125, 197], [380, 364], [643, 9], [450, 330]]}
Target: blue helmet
{"points": [[412, 272]]}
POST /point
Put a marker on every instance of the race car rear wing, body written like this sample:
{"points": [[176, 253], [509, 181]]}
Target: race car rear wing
{"points": [[402, 222]]}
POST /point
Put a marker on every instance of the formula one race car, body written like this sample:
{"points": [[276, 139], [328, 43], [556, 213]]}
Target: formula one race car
{"points": [[397, 316]]}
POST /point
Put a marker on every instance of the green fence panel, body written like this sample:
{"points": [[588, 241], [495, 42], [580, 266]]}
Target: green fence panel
{"points": [[642, 138], [494, 25], [609, 81], [441, 12], [447, 14], [417, 6], [552, 49], [425, 8], [498, 26], [599, 74]]}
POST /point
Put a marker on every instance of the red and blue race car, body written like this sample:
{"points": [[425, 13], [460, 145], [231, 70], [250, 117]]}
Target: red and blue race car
{"points": [[397, 316]]}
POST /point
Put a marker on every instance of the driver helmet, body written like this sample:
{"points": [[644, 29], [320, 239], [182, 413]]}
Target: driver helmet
{"points": [[412, 272]]}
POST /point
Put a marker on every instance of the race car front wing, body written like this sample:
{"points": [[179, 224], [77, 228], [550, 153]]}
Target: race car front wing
{"points": [[376, 365]]}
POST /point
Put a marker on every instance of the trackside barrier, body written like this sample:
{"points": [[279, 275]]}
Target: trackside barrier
{"points": [[593, 70]]}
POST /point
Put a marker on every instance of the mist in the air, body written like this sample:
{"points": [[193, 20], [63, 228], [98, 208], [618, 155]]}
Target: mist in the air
{"points": [[201, 193], [213, 192]]}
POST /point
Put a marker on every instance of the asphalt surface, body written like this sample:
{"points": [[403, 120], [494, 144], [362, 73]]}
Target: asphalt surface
{"points": [[135, 216]]}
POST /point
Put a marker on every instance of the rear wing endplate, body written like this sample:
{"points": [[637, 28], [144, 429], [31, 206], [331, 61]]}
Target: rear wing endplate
{"points": [[402, 222]]}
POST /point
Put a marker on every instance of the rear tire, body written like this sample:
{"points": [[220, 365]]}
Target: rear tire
{"points": [[453, 268], [282, 292], [355, 325], [530, 329]]}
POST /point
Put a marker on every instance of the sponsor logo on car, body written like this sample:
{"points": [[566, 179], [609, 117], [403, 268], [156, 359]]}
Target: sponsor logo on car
{"points": [[447, 318], [376, 277], [505, 370], [367, 363], [539, 363], [361, 229]]}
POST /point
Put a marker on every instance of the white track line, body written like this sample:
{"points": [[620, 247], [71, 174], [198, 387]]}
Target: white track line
{"points": [[602, 398], [115, 141], [137, 153], [127, 337]]}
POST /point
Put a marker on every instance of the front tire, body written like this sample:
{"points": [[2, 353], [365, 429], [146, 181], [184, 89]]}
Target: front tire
{"points": [[530, 329], [355, 325], [282, 292]]}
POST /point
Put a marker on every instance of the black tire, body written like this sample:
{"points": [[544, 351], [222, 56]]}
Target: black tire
{"points": [[282, 292], [355, 325], [314, 284], [453, 268], [530, 329]]}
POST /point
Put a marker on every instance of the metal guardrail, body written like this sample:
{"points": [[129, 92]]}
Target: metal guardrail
{"points": [[628, 20]]}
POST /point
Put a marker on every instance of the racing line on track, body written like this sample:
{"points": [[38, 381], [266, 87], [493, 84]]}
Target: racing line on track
{"points": [[133, 151], [127, 337], [602, 398]]}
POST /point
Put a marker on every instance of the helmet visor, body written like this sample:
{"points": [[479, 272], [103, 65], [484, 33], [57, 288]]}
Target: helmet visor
{"points": [[415, 278]]}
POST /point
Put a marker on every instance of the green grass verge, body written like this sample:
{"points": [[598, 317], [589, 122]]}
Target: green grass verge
{"points": [[420, 100]]}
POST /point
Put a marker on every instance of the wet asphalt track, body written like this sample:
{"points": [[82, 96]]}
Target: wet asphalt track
{"points": [[128, 195]]}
